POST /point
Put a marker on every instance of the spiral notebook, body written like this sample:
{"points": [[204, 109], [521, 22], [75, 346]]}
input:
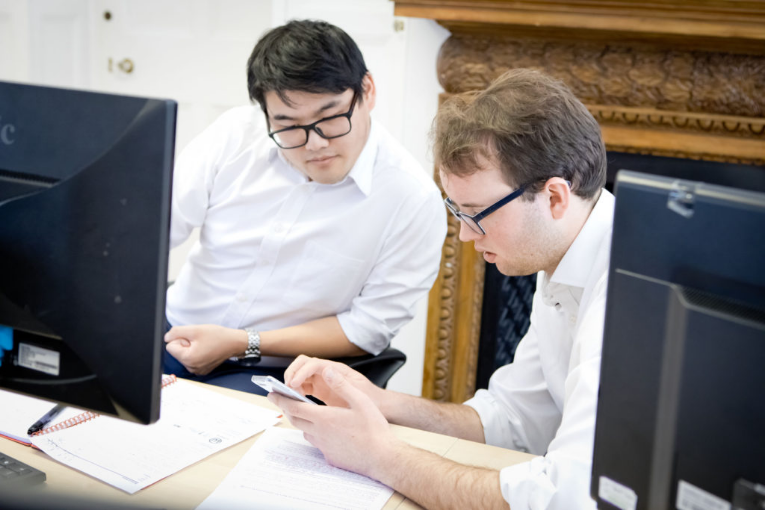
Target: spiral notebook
{"points": [[78, 416], [194, 423], [19, 412]]}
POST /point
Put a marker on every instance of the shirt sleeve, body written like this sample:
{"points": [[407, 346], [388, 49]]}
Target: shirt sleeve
{"points": [[403, 273], [518, 411], [194, 177], [561, 478]]}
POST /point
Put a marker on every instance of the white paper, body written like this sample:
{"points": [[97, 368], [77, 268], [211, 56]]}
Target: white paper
{"points": [[690, 497], [37, 358], [194, 423], [283, 470], [621, 496], [18, 413]]}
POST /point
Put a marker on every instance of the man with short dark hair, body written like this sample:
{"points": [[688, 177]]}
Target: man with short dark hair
{"points": [[319, 232], [523, 164]]}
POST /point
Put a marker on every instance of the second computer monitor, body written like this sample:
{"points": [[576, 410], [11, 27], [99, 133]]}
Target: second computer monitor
{"points": [[681, 417]]}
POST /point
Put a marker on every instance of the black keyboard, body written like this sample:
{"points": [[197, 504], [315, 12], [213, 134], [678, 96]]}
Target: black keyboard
{"points": [[14, 473]]}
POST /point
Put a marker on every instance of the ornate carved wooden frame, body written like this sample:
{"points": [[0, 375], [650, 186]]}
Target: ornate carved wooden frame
{"points": [[672, 78]]}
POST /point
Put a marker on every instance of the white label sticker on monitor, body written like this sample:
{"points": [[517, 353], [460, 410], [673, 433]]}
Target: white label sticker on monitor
{"points": [[621, 496], [690, 497], [37, 358]]}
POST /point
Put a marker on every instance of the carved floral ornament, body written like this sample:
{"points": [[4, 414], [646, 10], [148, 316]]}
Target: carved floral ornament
{"points": [[716, 98], [687, 81], [653, 118]]}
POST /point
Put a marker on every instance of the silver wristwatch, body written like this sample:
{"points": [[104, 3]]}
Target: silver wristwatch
{"points": [[253, 344]]}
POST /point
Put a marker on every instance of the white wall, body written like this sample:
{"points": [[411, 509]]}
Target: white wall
{"points": [[61, 43], [14, 35], [423, 40]]}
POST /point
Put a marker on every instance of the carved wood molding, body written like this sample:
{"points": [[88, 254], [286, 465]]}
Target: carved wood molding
{"points": [[454, 320], [652, 118], [654, 89], [440, 328], [687, 155], [613, 74], [734, 22]]}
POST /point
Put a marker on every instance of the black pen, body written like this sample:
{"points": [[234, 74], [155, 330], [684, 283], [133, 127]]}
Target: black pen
{"points": [[46, 419]]}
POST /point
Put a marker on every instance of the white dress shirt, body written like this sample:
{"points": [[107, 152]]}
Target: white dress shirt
{"points": [[545, 401], [277, 250]]}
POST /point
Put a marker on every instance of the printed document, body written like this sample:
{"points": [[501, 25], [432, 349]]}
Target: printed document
{"points": [[283, 470], [194, 423]]}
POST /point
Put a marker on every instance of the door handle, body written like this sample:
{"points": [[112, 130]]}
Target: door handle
{"points": [[125, 65]]}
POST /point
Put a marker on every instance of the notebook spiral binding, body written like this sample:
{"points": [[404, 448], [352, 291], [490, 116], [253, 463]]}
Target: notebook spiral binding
{"points": [[71, 422], [167, 380]]}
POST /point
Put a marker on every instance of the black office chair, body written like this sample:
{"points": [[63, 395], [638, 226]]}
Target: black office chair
{"points": [[377, 369]]}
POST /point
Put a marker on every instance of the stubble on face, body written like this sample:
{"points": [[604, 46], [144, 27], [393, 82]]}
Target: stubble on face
{"points": [[532, 246]]}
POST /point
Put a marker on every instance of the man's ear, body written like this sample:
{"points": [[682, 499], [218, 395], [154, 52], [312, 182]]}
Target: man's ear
{"points": [[369, 91], [559, 193]]}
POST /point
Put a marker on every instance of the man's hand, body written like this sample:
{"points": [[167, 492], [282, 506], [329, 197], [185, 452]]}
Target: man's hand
{"points": [[306, 375], [202, 348], [352, 433]]}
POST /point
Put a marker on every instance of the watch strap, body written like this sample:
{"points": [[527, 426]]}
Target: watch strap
{"points": [[253, 344]]}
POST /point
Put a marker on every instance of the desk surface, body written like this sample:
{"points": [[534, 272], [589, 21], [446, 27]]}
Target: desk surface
{"points": [[189, 487]]}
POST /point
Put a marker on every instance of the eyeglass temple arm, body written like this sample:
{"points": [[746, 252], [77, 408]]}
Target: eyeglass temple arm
{"points": [[491, 209]]}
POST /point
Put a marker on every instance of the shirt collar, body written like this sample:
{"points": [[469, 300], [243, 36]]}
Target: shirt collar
{"points": [[576, 265], [362, 171]]}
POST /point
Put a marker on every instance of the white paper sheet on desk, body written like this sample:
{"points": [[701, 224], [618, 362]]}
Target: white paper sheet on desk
{"points": [[283, 470], [194, 423], [18, 412]]}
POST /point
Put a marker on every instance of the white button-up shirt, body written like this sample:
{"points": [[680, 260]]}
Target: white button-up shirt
{"points": [[545, 401], [277, 250]]}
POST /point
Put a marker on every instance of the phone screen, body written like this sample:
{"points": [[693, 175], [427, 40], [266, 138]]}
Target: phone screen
{"points": [[271, 384]]}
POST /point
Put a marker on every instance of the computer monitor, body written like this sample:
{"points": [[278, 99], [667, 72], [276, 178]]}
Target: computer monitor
{"points": [[85, 182], [681, 413]]}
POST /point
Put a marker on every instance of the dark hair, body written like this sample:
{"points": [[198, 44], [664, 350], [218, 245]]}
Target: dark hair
{"points": [[306, 56], [532, 125]]}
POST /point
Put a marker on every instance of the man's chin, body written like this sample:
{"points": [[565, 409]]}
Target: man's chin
{"points": [[513, 271], [329, 176], [325, 179]]}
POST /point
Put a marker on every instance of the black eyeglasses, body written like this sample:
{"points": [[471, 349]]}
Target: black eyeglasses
{"points": [[474, 221], [327, 128]]}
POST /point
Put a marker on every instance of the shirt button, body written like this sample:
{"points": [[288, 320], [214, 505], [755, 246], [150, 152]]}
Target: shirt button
{"points": [[278, 227], [241, 297]]}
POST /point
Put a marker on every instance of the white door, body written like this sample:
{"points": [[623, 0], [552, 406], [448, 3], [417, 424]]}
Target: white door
{"points": [[192, 51]]}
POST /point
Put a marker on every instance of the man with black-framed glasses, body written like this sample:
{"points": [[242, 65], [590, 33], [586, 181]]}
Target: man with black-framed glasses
{"points": [[524, 166], [319, 232]]}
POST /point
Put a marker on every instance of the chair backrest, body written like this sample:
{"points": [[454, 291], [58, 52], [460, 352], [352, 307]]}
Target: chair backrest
{"points": [[377, 369]]}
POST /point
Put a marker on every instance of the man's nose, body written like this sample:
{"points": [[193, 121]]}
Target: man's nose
{"points": [[315, 142], [467, 233]]}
